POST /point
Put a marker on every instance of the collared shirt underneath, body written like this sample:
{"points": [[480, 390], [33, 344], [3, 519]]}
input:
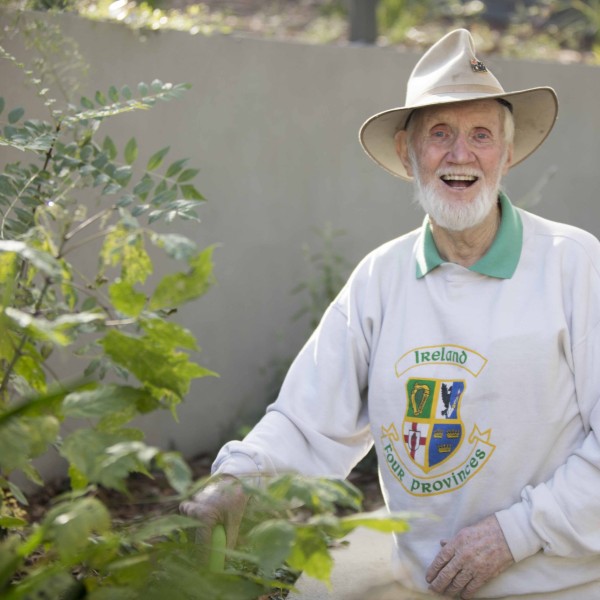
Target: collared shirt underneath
{"points": [[499, 261]]}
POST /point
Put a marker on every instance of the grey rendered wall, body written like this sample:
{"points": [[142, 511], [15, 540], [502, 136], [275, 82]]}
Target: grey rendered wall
{"points": [[273, 126]]}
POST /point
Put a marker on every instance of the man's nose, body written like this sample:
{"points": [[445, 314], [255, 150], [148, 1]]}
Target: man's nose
{"points": [[460, 151]]}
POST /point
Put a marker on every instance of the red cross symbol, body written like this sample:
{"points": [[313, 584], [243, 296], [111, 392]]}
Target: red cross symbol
{"points": [[414, 439]]}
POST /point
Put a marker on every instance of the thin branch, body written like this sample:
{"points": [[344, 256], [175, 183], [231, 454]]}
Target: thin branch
{"points": [[87, 223], [119, 322], [24, 340], [91, 238], [13, 204]]}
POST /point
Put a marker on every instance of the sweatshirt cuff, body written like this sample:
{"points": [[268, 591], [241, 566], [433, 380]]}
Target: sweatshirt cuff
{"points": [[240, 462], [520, 536]]}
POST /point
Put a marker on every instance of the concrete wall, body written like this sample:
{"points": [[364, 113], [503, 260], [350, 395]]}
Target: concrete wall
{"points": [[273, 126]]}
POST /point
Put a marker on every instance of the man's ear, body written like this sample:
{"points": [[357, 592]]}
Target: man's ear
{"points": [[401, 140], [509, 160]]}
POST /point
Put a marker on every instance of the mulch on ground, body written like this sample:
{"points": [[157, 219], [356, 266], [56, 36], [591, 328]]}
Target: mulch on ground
{"points": [[152, 496]]}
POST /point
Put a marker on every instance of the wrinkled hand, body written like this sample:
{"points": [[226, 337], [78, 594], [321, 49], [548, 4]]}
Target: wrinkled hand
{"points": [[222, 501], [470, 559]]}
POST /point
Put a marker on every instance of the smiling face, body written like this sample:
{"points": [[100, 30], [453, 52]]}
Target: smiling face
{"points": [[457, 154]]}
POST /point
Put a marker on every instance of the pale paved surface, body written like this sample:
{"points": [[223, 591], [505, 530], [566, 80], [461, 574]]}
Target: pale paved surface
{"points": [[361, 572]]}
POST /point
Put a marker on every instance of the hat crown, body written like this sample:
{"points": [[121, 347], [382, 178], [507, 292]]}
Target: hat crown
{"points": [[450, 67], [450, 73]]}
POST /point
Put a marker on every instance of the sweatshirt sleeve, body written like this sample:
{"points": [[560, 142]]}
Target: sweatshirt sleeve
{"points": [[318, 425], [561, 517]]}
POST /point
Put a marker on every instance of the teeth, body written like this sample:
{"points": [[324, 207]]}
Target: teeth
{"points": [[459, 177]]}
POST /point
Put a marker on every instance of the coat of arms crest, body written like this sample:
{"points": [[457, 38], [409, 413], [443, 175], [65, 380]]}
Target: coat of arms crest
{"points": [[432, 428]]}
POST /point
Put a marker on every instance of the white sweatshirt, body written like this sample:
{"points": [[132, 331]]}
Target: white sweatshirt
{"points": [[479, 388]]}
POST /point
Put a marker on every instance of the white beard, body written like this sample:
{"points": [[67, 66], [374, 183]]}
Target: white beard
{"points": [[455, 216]]}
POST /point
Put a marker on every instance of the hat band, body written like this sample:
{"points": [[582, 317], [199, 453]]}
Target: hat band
{"points": [[456, 89]]}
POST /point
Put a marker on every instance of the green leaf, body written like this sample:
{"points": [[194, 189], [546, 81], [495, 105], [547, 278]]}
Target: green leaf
{"points": [[178, 288], [1, 105], [38, 258], [166, 196], [111, 188], [122, 175], [10, 559], [177, 471], [168, 334], [126, 200], [131, 151], [175, 167], [156, 159], [109, 148], [187, 175], [17, 493], [15, 114], [160, 370], [86, 153], [78, 480], [30, 369], [176, 246], [86, 103], [310, 554], [58, 331], [8, 186], [71, 525], [184, 209], [388, 523], [126, 299], [157, 85], [88, 451], [122, 247], [140, 209], [143, 88], [272, 542], [319, 495], [102, 401], [100, 98], [162, 526], [25, 438], [113, 93], [191, 193], [142, 188], [12, 522], [126, 92], [129, 456]]}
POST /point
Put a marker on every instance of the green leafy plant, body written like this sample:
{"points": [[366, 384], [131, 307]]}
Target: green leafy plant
{"points": [[74, 190]]}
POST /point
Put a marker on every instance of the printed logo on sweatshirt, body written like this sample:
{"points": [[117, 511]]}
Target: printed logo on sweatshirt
{"points": [[447, 354], [431, 452], [432, 430]]}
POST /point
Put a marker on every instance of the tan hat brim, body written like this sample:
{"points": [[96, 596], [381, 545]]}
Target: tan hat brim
{"points": [[534, 111]]}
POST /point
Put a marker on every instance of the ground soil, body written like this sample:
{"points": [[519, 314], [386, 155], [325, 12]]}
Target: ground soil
{"points": [[151, 496]]}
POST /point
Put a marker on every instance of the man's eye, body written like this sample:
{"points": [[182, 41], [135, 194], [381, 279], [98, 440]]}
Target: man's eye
{"points": [[439, 134]]}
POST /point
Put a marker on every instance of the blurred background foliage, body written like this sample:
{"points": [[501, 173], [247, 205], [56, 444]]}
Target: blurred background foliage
{"points": [[567, 31]]}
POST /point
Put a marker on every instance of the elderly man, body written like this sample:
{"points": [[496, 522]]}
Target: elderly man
{"points": [[465, 351]]}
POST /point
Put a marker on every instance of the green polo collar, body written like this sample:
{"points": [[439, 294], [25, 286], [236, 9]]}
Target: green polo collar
{"points": [[500, 260]]}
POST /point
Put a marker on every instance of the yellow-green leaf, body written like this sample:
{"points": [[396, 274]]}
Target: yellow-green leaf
{"points": [[131, 151], [126, 299], [156, 159], [178, 288], [71, 525]]}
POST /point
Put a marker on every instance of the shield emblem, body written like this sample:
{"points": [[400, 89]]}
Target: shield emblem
{"points": [[432, 428]]}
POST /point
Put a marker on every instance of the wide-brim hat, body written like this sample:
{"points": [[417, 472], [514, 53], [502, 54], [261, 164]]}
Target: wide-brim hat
{"points": [[449, 72]]}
